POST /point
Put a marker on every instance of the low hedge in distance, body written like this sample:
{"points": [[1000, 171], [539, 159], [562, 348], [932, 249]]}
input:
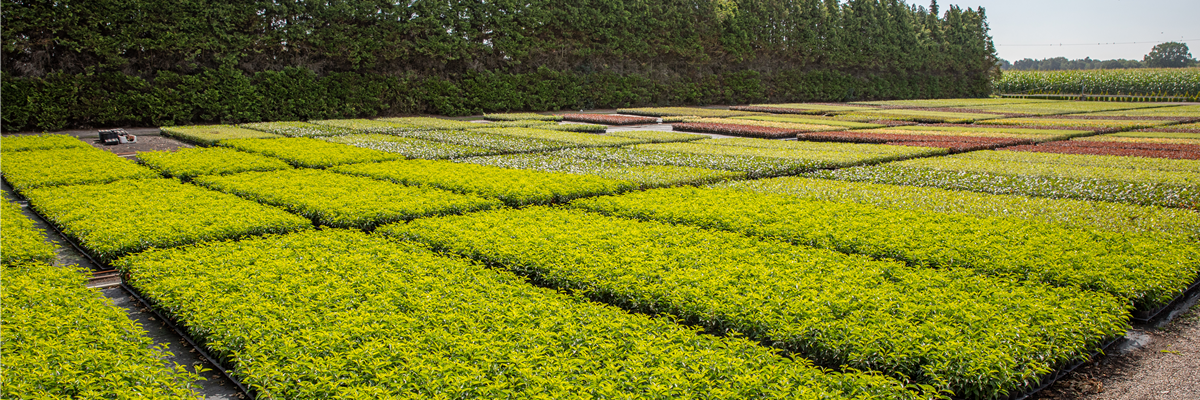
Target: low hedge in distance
{"points": [[298, 129], [810, 121], [366, 125], [954, 103], [1187, 113], [979, 337], [608, 119], [1063, 107], [523, 123], [755, 162], [818, 155], [410, 147], [753, 165], [309, 152], [1079, 214], [114, 219], [645, 176], [190, 163], [209, 135], [26, 170], [764, 132], [1036, 135], [522, 117], [394, 320], [955, 144], [918, 116], [499, 143], [1148, 271], [343, 201], [573, 127], [1144, 181], [433, 123], [802, 108], [658, 136], [63, 340], [512, 186], [12, 143], [1095, 125], [22, 241], [574, 138], [1126, 149], [684, 111], [799, 126], [1193, 127]]}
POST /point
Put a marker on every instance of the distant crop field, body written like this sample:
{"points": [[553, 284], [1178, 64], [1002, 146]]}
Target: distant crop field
{"points": [[1121, 83]]}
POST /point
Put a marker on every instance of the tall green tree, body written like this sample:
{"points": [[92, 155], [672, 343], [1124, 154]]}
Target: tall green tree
{"points": [[1169, 55]]}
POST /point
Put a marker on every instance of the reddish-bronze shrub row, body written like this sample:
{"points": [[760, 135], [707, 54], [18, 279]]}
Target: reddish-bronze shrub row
{"points": [[1153, 150], [953, 143], [765, 132], [609, 119], [777, 110]]}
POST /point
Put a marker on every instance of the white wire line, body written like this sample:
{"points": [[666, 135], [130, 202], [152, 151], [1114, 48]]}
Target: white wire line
{"points": [[1094, 44]]}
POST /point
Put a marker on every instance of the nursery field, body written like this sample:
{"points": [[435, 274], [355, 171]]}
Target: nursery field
{"points": [[914, 249]]}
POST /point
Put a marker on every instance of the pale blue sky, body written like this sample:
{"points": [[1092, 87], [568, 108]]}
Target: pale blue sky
{"points": [[1072, 23]]}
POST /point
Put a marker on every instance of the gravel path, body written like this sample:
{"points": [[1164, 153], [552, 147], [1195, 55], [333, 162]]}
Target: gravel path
{"points": [[1164, 364]]}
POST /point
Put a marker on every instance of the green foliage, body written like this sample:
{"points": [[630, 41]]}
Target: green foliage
{"points": [[63, 340], [1169, 55], [475, 138], [366, 125], [1078, 214], [1147, 270], [512, 186], [1065, 107], [685, 112], [22, 241], [575, 127], [209, 135], [803, 108], [1137, 82], [13, 143], [1144, 181], [204, 61], [658, 136], [1037, 135], [297, 129], [187, 164], [26, 170], [309, 152], [752, 164], [645, 176], [755, 157], [1100, 125], [916, 116], [1188, 112], [412, 148], [433, 123], [343, 201], [574, 138], [521, 123], [955, 103], [810, 120], [826, 154], [395, 320], [980, 337], [803, 127], [114, 219], [522, 117]]}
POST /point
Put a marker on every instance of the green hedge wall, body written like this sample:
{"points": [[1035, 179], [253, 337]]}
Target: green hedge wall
{"points": [[113, 62]]}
